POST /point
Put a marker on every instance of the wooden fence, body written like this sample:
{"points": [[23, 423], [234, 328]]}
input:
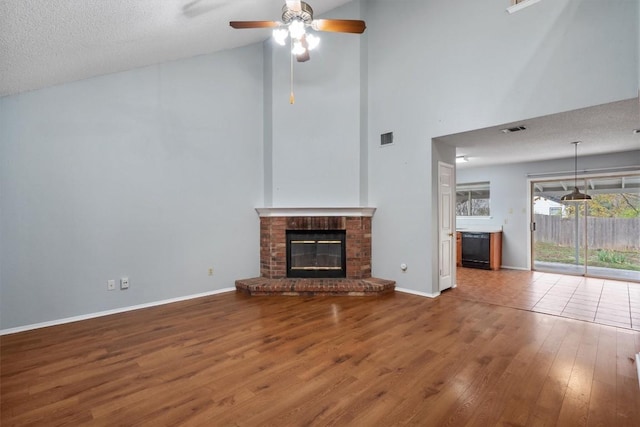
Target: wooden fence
{"points": [[602, 233]]}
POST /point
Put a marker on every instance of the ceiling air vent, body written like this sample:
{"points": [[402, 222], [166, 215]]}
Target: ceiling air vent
{"points": [[386, 139], [513, 129]]}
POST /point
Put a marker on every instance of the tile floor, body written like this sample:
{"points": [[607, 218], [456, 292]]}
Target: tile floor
{"points": [[608, 302]]}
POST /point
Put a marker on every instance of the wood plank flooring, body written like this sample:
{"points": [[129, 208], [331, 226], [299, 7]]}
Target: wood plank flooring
{"points": [[235, 360]]}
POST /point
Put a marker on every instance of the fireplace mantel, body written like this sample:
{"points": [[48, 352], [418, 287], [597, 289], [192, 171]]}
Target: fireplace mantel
{"points": [[291, 212]]}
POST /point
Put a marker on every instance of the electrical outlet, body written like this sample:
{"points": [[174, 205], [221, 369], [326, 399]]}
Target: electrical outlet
{"points": [[211, 272], [124, 283], [111, 285]]}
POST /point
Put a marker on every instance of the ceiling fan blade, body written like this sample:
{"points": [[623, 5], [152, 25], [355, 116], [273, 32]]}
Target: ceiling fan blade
{"points": [[294, 5], [339, 25], [254, 24]]}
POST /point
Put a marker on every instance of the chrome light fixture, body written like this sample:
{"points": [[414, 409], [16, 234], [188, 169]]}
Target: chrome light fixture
{"points": [[575, 195], [295, 19]]}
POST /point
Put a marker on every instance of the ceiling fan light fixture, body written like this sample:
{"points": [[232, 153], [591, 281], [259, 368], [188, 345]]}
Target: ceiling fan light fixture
{"points": [[298, 49], [575, 195], [296, 29], [297, 15], [280, 35], [312, 41]]}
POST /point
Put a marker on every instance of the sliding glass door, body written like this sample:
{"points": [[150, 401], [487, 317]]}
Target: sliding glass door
{"points": [[597, 238], [613, 228], [558, 230]]}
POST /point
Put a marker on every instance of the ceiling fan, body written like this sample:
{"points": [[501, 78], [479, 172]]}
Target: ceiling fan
{"points": [[297, 16]]}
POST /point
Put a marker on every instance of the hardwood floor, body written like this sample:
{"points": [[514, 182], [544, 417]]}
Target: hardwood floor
{"points": [[235, 360]]}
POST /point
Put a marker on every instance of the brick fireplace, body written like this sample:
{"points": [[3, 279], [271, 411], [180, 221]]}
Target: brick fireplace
{"points": [[274, 225]]}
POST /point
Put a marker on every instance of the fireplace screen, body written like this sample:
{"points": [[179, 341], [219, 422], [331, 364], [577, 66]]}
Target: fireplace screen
{"points": [[316, 254]]}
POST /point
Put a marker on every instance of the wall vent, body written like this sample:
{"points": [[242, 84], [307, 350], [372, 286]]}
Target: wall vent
{"points": [[513, 129], [386, 139]]}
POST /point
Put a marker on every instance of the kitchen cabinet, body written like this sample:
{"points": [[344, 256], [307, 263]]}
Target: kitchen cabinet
{"points": [[495, 256]]}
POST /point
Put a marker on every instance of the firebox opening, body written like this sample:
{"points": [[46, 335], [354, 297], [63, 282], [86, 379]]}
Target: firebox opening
{"points": [[316, 253]]}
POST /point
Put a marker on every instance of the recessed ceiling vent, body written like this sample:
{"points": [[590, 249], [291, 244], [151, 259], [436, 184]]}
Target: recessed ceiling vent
{"points": [[386, 139], [513, 129]]}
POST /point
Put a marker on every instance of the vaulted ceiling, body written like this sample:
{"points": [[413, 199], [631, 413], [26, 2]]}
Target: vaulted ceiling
{"points": [[45, 43]]}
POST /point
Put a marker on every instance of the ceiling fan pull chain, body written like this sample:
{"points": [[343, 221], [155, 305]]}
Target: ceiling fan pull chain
{"points": [[292, 98]]}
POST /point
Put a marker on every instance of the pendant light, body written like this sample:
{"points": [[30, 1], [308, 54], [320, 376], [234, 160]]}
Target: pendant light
{"points": [[575, 195]]}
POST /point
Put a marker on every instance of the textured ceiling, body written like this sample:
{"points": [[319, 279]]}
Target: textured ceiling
{"points": [[602, 129], [48, 42]]}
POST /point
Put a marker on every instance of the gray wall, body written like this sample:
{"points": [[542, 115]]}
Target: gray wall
{"points": [[316, 142], [151, 174], [509, 200], [444, 67], [154, 173]]}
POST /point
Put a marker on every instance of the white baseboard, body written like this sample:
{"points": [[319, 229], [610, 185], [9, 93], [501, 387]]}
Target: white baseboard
{"points": [[109, 312], [422, 294]]}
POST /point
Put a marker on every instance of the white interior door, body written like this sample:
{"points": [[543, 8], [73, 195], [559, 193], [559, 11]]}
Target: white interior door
{"points": [[446, 223]]}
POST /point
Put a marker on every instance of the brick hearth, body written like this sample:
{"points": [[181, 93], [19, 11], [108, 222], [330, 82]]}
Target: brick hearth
{"points": [[306, 287], [274, 223]]}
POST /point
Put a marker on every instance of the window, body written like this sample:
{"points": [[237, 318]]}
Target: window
{"points": [[472, 199]]}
